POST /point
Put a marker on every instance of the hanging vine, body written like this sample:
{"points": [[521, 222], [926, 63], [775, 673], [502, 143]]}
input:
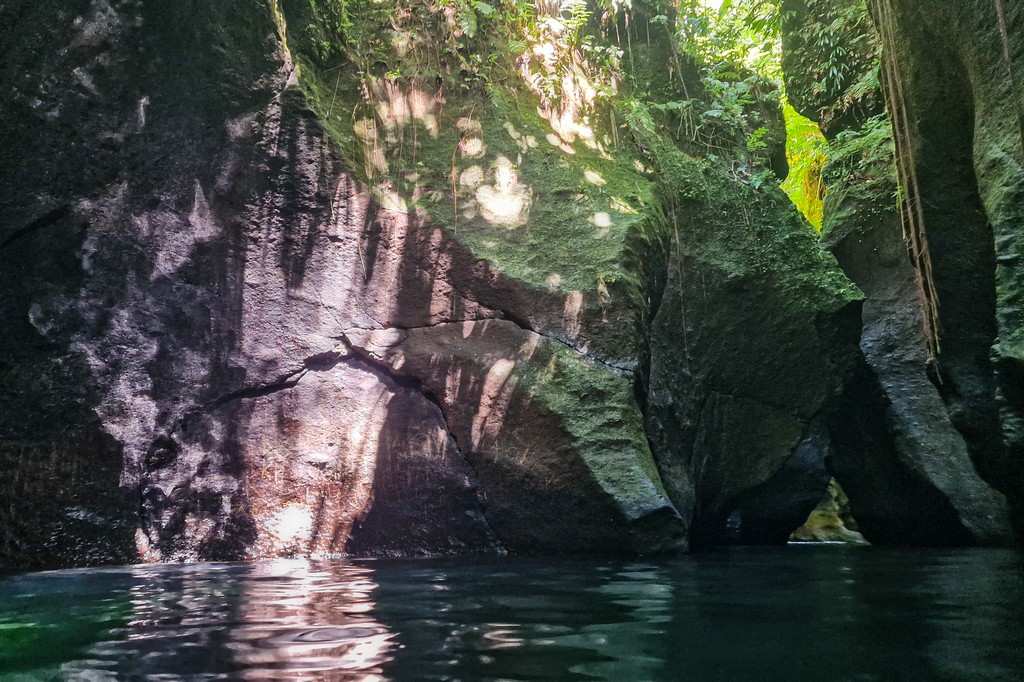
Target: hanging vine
{"points": [[912, 210]]}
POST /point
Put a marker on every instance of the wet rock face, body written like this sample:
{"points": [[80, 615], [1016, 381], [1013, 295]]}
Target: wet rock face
{"points": [[753, 335], [958, 66], [894, 443], [958, 72], [539, 427], [729, 427]]}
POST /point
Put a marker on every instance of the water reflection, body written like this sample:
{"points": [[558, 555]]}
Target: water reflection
{"points": [[801, 614], [295, 620], [526, 620], [47, 617], [310, 621]]}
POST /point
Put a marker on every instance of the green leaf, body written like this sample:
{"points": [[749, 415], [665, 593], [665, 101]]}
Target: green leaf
{"points": [[484, 9], [467, 22]]}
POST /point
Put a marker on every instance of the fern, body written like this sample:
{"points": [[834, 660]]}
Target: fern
{"points": [[467, 21], [485, 10]]}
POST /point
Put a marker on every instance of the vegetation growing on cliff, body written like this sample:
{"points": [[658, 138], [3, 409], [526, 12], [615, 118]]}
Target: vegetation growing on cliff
{"points": [[506, 123], [831, 63], [479, 143], [573, 57], [807, 152]]}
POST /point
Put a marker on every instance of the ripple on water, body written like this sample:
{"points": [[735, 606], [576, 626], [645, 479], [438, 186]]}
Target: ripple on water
{"points": [[825, 614]]}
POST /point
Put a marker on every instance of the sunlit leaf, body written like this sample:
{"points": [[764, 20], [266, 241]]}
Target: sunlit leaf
{"points": [[467, 22], [484, 9]]}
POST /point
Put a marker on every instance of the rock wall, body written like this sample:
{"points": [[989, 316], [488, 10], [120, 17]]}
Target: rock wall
{"points": [[753, 335], [261, 305], [955, 70], [903, 455]]}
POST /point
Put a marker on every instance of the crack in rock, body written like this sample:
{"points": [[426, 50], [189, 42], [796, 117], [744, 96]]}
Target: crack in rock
{"points": [[44, 221], [413, 383], [321, 362], [616, 369]]}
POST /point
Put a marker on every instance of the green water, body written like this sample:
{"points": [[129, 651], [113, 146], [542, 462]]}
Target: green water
{"points": [[799, 613]]}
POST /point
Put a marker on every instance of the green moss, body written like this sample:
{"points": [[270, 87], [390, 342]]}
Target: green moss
{"points": [[591, 215], [743, 229], [1003, 193], [830, 58], [592, 212], [861, 180], [599, 412]]}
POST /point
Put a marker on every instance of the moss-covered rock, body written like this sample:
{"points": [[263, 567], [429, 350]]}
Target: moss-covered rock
{"points": [[830, 521], [556, 440], [329, 280], [753, 333], [621, 187]]}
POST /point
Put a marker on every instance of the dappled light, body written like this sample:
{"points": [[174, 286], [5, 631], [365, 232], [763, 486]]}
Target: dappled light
{"points": [[568, 75], [311, 479], [495, 391], [525, 142], [399, 277], [366, 130], [603, 221], [471, 178], [266, 643], [555, 141], [507, 201], [398, 107], [620, 206], [571, 314], [399, 110], [471, 144], [289, 527]]}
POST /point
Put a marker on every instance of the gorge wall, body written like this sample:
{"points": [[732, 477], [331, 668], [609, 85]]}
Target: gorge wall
{"points": [[282, 280], [917, 430], [896, 446], [954, 70]]}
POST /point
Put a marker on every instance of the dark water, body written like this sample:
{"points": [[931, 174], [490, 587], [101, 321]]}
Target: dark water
{"points": [[801, 613]]}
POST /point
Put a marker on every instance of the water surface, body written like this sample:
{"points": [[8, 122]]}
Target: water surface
{"points": [[799, 613]]}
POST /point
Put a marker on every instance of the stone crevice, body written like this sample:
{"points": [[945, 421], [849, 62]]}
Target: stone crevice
{"points": [[404, 380], [319, 362], [525, 326], [48, 219], [622, 371]]}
